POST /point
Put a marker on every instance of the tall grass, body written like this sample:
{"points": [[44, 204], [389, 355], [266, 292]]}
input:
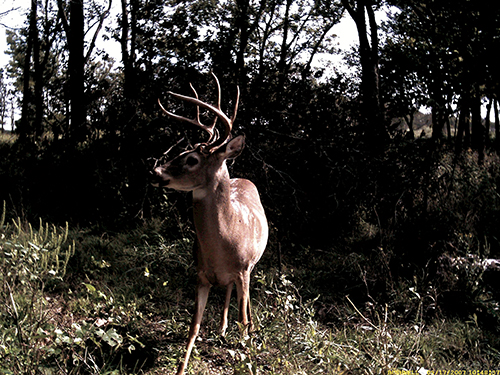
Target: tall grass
{"points": [[32, 262], [120, 303]]}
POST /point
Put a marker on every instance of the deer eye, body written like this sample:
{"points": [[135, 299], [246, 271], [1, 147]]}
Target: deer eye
{"points": [[191, 161]]}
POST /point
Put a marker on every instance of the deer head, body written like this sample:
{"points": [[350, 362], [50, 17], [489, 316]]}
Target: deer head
{"points": [[194, 168]]}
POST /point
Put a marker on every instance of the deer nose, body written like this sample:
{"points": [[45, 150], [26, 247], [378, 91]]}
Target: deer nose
{"points": [[157, 178], [154, 176]]}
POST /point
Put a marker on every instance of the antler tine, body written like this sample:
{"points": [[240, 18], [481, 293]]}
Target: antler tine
{"points": [[233, 117], [215, 133], [236, 105], [197, 107], [218, 90], [228, 123], [210, 129], [196, 121], [215, 140]]}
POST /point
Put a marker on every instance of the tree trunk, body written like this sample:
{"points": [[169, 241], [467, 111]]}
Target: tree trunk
{"points": [[371, 111], [39, 84], [128, 45], [24, 126], [438, 122], [317, 44], [497, 123], [246, 29], [282, 64], [76, 70], [477, 127], [487, 123], [242, 24], [462, 136], [267, 31], [3, 101], [409, 122]]}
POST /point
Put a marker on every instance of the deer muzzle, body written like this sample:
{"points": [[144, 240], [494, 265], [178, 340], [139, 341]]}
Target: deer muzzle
{"points": [[158, 178]]}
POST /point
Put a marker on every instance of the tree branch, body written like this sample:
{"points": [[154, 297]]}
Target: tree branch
{"points": [[102, 18]]}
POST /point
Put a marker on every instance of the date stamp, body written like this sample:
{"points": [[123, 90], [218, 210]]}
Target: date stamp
{"points": [[423, 371]]}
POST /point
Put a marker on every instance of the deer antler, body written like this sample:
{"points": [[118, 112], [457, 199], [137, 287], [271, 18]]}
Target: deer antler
{"points": [[215, 140]]}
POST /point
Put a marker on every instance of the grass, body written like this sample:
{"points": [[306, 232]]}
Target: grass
{"points": [[84, 301]]}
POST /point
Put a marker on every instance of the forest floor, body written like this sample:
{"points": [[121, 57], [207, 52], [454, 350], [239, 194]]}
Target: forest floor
{"points": [[86, 301]]}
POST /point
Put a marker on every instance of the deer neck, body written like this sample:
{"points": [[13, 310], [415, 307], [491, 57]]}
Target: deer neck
{"points": [[212, 203]]}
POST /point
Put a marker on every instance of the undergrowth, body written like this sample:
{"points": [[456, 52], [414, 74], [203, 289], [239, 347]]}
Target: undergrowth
{"points": [[86, 301]]}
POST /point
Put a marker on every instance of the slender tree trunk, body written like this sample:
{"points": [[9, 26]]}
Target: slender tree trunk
{"points": [[487, 123], [497, 123], [448, 126], [24, 126], [39, 84], [467, 130], [282, 63], [477, 127], [315, 48], [76, 69], [128, 45], [3, 101], [102, 18], [242, 24], [409, 122], [462, 136], [439, 105]]}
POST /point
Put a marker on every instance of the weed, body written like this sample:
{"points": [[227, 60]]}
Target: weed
{"points": [[31, 262]]}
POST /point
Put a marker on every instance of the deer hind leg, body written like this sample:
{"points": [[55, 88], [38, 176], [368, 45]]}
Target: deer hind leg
{"points": [[200, 303], [223, 324], [243, 291]]}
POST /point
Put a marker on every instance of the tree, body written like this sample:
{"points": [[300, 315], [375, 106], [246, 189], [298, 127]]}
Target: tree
{"points": [[74, 29], [371, 110], [452, 43], [31, 45], [282, 50], [402, 89], [128, 42], [3, 100]]}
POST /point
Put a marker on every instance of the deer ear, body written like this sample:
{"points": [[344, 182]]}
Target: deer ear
{"points": [[234, 147]]}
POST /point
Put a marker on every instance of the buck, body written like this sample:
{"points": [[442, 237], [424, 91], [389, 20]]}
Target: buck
{"points": [[231, 226]]}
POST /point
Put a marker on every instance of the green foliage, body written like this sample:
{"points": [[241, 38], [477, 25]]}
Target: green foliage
{"points": [[32, 262], [426, 62], [121, 305]]}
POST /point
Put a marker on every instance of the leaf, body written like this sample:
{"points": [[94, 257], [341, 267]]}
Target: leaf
{"points": [[111, 337], [90, 288]]}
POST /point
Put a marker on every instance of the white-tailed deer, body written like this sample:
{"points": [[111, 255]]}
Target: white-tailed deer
{"points": [[231, 226]]}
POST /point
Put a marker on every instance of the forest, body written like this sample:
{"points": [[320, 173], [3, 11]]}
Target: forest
{"points": [[378, 169]]}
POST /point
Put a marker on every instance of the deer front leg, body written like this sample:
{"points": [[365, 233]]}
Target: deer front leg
{"points": [[200, 303], [223, 324], [249, 312]]}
